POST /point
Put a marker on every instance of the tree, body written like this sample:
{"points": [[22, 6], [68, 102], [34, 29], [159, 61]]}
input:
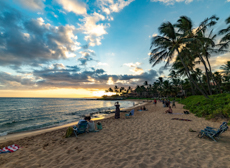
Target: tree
{"points": [[167, 45], [225, 40], [226, 68]]}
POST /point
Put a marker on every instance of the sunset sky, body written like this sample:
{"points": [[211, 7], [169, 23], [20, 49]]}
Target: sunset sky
{"points": [[79, 48]]}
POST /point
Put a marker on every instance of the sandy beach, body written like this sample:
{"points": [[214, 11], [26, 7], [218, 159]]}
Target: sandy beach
{"points": [[148, 139]]}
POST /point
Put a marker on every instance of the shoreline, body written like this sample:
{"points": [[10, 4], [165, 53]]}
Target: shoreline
{"points": [[24, 134]]}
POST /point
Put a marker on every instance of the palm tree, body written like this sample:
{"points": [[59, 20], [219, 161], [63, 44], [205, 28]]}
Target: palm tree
{"points": [[138, 89], [129, 90], [110, 90], [190, 63], [218, 77], [226, 68], [173, 74], [116, 89], [199, 45], [224, 42], [167, 46]]}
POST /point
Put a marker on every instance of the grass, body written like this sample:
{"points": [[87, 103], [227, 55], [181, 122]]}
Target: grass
{"points": [[216, 107]]}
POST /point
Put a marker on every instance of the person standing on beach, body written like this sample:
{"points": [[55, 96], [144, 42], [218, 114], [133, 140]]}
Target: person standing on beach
{"points": [[173, 104], [117, 113], [155, 102]]}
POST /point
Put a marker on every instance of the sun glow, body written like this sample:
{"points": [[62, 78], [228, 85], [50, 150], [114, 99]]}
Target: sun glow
{"points": [[101, 93]]}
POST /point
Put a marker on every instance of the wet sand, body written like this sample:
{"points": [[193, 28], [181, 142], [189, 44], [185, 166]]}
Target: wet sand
{"points": [[148, 139]]}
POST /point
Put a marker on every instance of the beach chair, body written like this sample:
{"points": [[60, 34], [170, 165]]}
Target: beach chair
{"points": [[82, 126], [222, 126], [131, 113], [212, 132]]}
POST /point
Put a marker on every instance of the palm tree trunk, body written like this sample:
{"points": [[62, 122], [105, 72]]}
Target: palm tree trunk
{"points": [[193, 91], [202, 86], [210, 70], [183, 89], [206, 71], [191, 79]]}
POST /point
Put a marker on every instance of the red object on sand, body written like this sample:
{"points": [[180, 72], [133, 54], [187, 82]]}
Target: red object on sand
{"points": [[10, 149]]}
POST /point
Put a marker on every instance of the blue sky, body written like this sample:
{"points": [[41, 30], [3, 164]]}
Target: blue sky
{"points": [[86, 46]]}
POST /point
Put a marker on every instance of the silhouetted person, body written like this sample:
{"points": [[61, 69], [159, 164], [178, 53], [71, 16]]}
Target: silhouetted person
{"points": [[117, 113]]}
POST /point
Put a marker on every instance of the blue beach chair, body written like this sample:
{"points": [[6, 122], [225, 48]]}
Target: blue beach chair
{"points": [[212, 132], [222, 126], [82, 126], [131, 113]]}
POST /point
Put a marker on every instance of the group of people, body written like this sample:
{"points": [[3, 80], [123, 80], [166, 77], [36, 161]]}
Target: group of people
{"points": [[91, 125], [167, 103], [143, 108]]}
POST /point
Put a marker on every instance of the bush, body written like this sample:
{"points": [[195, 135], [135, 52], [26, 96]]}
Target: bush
{"points": [[218, 106]]}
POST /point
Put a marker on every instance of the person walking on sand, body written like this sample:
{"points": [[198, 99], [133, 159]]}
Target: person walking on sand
{"points": [[117, 113], [155, 102]]}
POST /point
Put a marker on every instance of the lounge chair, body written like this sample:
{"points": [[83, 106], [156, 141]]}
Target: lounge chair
{"points": [[82, 126], [131, 113], [223, 125], [212, 133]]}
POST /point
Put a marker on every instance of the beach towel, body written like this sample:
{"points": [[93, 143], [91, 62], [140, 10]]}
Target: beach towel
{"points": [[9, 149], [181, 119]]}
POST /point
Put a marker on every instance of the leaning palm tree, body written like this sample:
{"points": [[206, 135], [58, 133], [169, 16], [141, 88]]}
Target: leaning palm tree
{"points": [[225, 40], [200, 45], [167, 45]]}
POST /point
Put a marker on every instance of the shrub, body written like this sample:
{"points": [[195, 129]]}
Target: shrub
{"points": [[218, 106]]}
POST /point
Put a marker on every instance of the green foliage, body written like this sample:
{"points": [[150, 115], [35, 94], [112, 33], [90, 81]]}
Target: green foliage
{"points": [[216, 107]]}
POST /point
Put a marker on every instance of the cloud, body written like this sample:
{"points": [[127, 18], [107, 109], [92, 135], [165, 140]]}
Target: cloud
{"points": [[35, 5], [154, 35], [132, 64], [110, 6], [102, 64], [76, 6], [84, 59], [86, 56], [137, 70], [32, 41], [171, 2], [134, 67], [60, 76], [92, 29]]}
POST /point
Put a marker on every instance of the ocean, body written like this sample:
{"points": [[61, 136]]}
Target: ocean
{"points": [[24, 114]]}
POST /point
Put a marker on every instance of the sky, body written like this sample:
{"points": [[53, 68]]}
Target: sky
{"points": [[80, 48]]}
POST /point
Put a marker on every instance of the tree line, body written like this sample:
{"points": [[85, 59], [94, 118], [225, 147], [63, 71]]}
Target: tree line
{"points": [[185, 48]]}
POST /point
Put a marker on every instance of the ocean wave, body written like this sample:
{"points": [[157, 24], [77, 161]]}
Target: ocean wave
{"points": [[33, 127], [14, 122], [3, 133]]}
